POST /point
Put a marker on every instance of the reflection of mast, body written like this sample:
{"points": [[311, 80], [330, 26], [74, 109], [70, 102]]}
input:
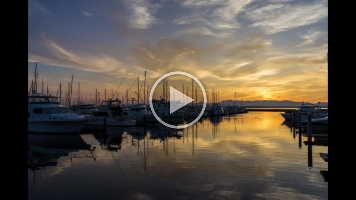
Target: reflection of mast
{"points": [[193, 139], [112, 153], [183, 135], [214, 129], [144, 149], [196, 131], [166, 145], [138, 147], [187, 135]]}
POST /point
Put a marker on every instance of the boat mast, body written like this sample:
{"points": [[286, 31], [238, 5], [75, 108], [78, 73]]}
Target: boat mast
{"points": [[127, 97], [213, 96], [47, 87], [196, 97], [192, 92], [96, 97], [138, 90], [60, 93], [183, 93], [71, 91], [78, 92], [35, 82], [144, 90], [163, 94], [166, 90]]}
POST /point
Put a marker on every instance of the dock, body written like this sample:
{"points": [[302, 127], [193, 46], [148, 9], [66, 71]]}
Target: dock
{"points": [[324, 173], [324, 156], [316, 135], [317, 143]]}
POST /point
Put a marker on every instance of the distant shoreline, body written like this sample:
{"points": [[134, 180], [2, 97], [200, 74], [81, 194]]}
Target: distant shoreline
{"points": [[273, 109]]}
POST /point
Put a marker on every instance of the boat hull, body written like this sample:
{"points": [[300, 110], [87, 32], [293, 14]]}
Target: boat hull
{"points": [[110, 122], [149, 119], [56, 126], [57, 141]]}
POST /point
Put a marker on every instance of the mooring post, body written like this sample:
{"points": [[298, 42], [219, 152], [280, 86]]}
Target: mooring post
{"points": [[310, 152], [292, 121], [299, 121], [309, 134], [309, 125], [300, 140]]}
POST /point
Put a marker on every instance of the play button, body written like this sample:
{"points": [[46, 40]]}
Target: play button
{"points": [[179, 100]]}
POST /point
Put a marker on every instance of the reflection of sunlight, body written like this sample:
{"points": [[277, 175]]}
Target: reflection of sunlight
{"points": [[244, 146]]}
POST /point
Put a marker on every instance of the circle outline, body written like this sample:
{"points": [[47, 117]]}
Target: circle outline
{"points": [[184, 74]]}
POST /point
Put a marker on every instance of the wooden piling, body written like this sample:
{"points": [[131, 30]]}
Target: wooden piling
{"points": [[309, 125]]}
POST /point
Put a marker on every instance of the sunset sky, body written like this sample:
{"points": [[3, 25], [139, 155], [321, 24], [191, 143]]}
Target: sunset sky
{"points": [[260, 49]]}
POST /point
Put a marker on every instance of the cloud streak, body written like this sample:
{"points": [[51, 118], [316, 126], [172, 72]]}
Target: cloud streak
{"points": [[36, 8], [280, 17], [63, 57], [86, 13]]}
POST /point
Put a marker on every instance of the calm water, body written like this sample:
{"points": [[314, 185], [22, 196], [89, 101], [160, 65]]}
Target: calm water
{"points": [[247, 156]]}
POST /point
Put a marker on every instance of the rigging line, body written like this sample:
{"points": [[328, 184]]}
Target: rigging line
{"points": [[134, 82], [112, 153], [141, 153], [132, 85], [313, 82], [119, 85], [131, 163]]}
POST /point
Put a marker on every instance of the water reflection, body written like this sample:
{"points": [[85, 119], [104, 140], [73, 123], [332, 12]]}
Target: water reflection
{"points": [[45, 150], [215, 120], [313, 138], [236, 157], [110, 142]]}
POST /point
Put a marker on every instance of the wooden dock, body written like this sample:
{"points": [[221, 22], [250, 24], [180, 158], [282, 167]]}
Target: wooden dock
{"points": [[270, 109], [316, 135], [315, 130], [317, 143]]}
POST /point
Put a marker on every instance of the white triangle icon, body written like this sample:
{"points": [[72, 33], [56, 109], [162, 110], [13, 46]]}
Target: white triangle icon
{"points": [[177, 100]]}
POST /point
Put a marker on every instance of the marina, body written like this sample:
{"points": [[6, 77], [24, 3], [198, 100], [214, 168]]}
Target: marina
{"points": [[254, 155], [151, 100]]}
